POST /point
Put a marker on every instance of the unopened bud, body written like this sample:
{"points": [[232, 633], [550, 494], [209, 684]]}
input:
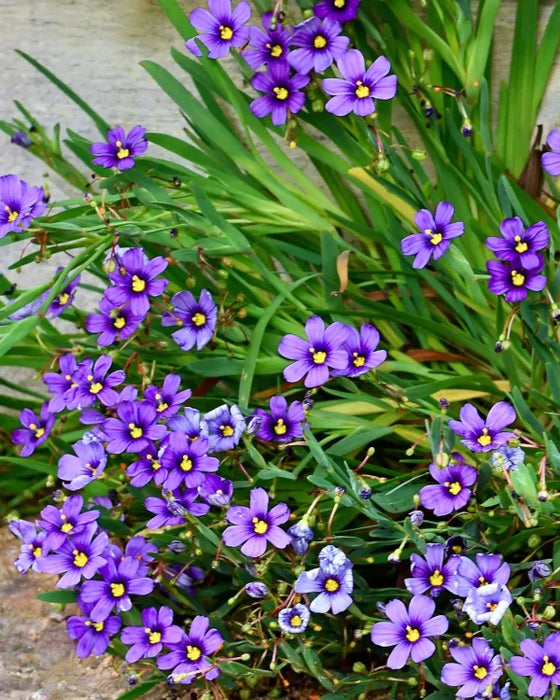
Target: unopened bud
{"points": [[359, 667], [549, 612], [419, 154]]}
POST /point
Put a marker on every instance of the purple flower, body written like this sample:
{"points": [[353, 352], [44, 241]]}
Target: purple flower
{"points": [[35, 431], [224, 427], [489, 568], [20, 138], [197, 319], [156, 630], [140, 549], [134, 428], [294, 620], [59, 383], [121, 149], [215, 490], [477, 669], [167, 400], [408, 630], [333, 581], [337, 10], [270, 46], [487, 603], [539, 570], [507, 458], [314, 356], [320, 45], [135, 281], [113, 323], [64, 299], [484, 435], [184, 578], [90, 384], [431, 574], [29, 309], [80, 470], [283, 423], [189, 657], [551, 159], [513, 281], [256, 589], [187, 461], [79, 556], [301, 535], [20, 203], [145, 469], [255, 526], [93, 636], [436, 233], [358, 88], [120, 581], [518, 245], [67, 521], [542, 664], [172, 509], [33, 549], [283, 96], [219, 28], [361, 354], [189, 424], [451, 492]]}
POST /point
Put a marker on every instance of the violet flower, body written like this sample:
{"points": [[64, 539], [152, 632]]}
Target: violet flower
{"points": [[20, 138], [255, 526], [488, 603], [67, 521], [189, 423], [121, 148], [135, 281], [89, 463], [333, 581], [435, 236], [35, 431], [315, 356], [148, 639], [519, 245], [167, 400], [33, 549], [64, 299], [20, 203], [361, 353], [134, 428], [197, 319], [283, 96], [219, 28], [173, 508], [147, 468], [256, 589], [79, 557], [140, 549], [294, 620], [451, 492], [337, 10], [431, 573], [223, 426], [484, 435], [540, 663], [91, 383], [477, 668], [489, 568], [186, 461], [189, 656], [319, 45], [514, 282], [283, 423], [58, 383], [94, 637], [358, 88], [113, 323], [551, 159], [215, 490], [409, 630], [507, 458], [301, 535], [270, 46]]}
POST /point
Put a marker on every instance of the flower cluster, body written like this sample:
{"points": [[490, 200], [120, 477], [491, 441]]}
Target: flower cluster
{"points": [[20, 203]]}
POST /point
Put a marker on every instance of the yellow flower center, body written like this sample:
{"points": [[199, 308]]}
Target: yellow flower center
{"points": [[280, 428], [193, 653], [155, 464], [296, 621], [480, 672], [517, 278], [95, 387], [491, 606], [319, 42], [135, 431], [275, 51], [359, 360], [119, 322], [37, 552], [67, 527], [199, 319], [138, 285], [80, 559], [39, 432], [484, 439], [260, 526], [226, 430], [118, 590], [361, 90], [482, 581], [97, 626], [412, 634], [454, 487], [436, 579], [63, 298], [521, 246], [319, 356], [332, 585], [339, 3], [12, 215], [186, 464], [154, 637], [281, 93], [548, 668], [435, 237], [226, 33]]}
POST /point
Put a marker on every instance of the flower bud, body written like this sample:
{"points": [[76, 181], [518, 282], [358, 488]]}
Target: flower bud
{"points": [[549, 612], [419, 154], [256, 589], [359, 667], [416, 517], [365, 493]]}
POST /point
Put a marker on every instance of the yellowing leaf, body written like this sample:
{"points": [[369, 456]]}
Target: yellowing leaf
{"points": [[398, 204]]}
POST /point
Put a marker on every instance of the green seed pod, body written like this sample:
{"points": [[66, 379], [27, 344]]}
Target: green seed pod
{"points": [[419, 154], [549, 612], [359, 667], [534, 541]]}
